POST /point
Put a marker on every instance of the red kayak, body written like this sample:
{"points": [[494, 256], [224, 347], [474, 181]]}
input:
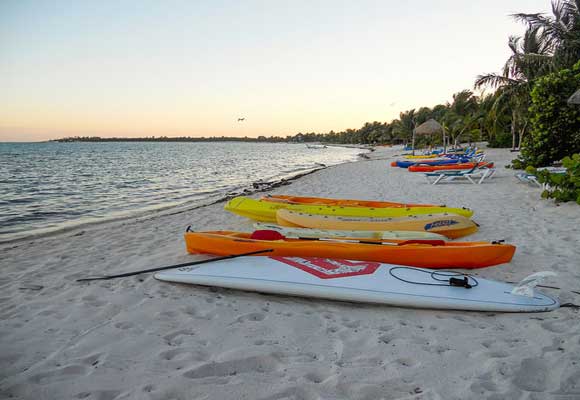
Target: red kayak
{"points": [[432, 168]]}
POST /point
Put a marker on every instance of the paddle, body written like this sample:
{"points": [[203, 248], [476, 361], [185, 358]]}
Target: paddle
{"points": [[431, 242], [104, 278], [266, 234]]}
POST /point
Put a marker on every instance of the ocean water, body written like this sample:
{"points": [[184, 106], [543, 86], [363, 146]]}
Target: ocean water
{"points": [[51, 186]]}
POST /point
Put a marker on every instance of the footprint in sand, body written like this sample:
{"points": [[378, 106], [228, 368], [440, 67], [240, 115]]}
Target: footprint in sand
{"points": [[261, 342], [406, 362], [437, 349], [498, 354], [332, 329], [124, 325], [148, 388], [532, 375], [92, 359], [51, 313], [570, 382], [482, 387], [175, 354], [318, 376], [93, 301], [295, 393], [351, 324], [167, 314], [555, 326], [177, 337], [254, 317], [385, 328], [191, 311], [260, 364], [300, 358], [99, 394], [385, 339], [64, 373]]}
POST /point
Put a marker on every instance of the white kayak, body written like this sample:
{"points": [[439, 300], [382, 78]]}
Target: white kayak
{"points": [[367, 282], [292, 232]]}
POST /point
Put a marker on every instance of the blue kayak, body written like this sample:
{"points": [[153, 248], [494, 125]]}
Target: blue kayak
{"points": [[408, 163]]}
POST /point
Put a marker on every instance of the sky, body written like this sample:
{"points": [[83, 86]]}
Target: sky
{"points": [[192, 68]]}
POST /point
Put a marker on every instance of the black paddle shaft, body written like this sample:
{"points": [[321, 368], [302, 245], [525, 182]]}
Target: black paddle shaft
{"points": [[104, 278]]}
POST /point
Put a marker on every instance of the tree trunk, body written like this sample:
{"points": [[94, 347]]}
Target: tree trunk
{"points": [[513, 129], [522, 132]]}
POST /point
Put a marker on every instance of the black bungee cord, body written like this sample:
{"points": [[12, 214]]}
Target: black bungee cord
{"points": [[450, 278]]}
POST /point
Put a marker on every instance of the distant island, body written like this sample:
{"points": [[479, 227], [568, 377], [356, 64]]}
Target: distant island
{"points": [[370, 133], [271, 139]]}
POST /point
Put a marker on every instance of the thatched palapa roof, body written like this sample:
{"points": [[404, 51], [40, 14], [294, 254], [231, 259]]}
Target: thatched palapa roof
{"points": [[575, 98], [429, 127]]}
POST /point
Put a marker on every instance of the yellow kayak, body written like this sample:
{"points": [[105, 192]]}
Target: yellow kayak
{"points": [[452, 226], [265, 211], [281, 198], [423, 156]]}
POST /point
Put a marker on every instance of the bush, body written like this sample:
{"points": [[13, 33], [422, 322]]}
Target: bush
{"points": [[555, 124], [561, 187]]}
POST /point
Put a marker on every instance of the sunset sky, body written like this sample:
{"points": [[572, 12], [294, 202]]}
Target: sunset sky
{"points": [[143, 68]]}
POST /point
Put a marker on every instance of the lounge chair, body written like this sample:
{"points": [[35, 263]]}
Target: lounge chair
{"points": [[533, 179], [528, 178], [554, 170], [475, 175]]}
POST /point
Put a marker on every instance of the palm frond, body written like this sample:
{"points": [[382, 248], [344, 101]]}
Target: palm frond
{"points": [[533, 20], [494, 81]]}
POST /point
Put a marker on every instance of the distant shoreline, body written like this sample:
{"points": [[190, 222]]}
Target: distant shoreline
{"points": [[186, 139], [173, 139], [164, 139]]}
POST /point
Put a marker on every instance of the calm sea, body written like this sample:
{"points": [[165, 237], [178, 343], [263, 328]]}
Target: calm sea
{"points": [[50, 186]]}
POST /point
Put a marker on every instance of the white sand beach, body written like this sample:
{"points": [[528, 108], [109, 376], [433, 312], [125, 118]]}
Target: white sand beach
{"points": [[139, 338]]}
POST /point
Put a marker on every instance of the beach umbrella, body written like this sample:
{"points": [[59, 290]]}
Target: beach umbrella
{"points": [[429, 127], [575, 98]]}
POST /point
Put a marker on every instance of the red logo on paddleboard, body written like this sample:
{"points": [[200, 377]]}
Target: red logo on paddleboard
{"points": [[326, 268]]}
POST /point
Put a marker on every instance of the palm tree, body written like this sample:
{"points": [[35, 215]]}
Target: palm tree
{"points": [[550, 43], [464, 103], [560, 33], [405, 125], [461, 116], [529, 60], [494, 115]]}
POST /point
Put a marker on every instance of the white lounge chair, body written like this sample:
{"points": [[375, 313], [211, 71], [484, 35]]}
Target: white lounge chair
{"points": [[528, 178], [533, 179]]}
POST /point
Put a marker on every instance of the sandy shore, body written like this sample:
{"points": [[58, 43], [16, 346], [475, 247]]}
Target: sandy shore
{"points": [[138, 338]]}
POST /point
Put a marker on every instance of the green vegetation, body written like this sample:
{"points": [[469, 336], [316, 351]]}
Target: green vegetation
{"points": [[555, 124], [531, 82], [463, 119], [561, 187]]}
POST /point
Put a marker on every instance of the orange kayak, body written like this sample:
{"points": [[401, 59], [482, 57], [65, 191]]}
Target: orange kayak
{"points": [[280, 198], [432, 168], [417, 253]]}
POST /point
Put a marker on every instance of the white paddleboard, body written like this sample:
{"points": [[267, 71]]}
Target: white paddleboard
{"points": [[360, 281]]}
